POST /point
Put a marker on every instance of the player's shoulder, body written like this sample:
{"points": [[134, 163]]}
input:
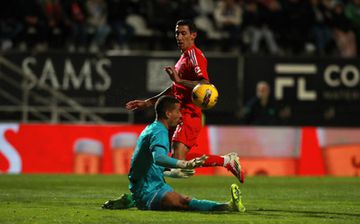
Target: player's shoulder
{"points": [[196, 52], [158, 128]]}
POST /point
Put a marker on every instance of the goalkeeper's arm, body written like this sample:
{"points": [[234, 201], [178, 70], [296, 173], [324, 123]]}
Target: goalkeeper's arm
{"points": [[162, 159], [179, 173]]}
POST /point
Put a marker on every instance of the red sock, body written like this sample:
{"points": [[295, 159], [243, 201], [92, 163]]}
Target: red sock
{"points": [[213, 160]]}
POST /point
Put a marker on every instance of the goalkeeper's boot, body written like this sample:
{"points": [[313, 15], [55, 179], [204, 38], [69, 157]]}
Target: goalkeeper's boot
{"points": [[234, 167], [123, 202], [236, 199]]}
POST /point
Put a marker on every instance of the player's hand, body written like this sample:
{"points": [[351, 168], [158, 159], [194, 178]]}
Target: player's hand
{"points": [[194, 163], [137, 104], [179, 173], [173, 74]]}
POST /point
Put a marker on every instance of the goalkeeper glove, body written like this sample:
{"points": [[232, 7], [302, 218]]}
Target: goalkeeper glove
{"points": [[191, 164], [179, 173]]}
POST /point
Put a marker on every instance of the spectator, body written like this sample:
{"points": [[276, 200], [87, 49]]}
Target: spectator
{"points": [[74, 11], [298, 25], [228, 17], [10, 25], [162, 16], [118, 11], [352, 12], [256, 19], [35, 29], [97, 23], [343, 32], [321, 16], [206, 7], [58, 26], [187, 9], [261, 109], [275, 19]]}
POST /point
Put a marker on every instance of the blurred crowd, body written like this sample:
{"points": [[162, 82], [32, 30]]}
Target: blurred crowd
{"points": [[275, 27]]}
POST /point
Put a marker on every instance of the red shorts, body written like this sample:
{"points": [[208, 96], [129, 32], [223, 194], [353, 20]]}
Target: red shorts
{"points": [[188, 131]]}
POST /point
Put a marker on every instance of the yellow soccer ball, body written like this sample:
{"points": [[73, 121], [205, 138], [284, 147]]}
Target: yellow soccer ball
{"points": [[204, 95]]}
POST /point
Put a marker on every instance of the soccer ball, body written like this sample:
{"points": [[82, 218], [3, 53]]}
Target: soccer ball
{"points": [[204, 95]]}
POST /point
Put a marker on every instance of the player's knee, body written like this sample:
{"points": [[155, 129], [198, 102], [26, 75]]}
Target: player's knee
{"points": [[182, 203], [180, 150], [174, 201]]}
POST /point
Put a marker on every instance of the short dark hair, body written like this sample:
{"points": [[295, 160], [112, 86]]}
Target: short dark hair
{"points": [[189, 23], [163, 104]]}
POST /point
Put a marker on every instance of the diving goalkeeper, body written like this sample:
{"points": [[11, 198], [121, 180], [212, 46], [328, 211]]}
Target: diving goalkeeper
{"points": [[147, 185]]}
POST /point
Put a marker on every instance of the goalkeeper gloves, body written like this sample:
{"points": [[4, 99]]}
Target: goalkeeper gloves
{"points": [[179, 173], [191, 164]]}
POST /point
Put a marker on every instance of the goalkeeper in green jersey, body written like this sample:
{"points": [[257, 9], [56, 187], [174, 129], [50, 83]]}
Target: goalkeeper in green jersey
{"points": [[147, 185]]}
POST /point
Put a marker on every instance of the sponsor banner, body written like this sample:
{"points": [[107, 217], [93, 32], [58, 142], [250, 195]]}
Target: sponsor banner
{"points": [[276, 142], [338, 136], [111, 81], [343, 160], [318, 91], [341, 150], [53, 148], [107, 149], [81, 149]]}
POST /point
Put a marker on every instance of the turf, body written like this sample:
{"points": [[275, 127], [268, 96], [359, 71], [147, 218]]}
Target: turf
{"points": [[77, 199]]}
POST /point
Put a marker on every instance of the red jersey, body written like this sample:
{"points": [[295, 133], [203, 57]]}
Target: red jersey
{"points": [[192, 66]]}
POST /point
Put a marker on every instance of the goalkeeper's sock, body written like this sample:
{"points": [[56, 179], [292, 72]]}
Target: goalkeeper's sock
{"points": [[212, 160], [206, 205]]}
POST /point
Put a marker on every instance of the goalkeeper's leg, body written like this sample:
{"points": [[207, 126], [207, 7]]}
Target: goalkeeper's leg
{"points": [[176, 201], [236, 199], [125, 201]]}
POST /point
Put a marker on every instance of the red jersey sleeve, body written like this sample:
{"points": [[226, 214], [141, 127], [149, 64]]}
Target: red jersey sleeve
{"points": [[199, 63]]}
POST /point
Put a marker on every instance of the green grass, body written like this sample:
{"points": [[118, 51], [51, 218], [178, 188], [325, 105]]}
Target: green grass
{"points": [[77, 199]]}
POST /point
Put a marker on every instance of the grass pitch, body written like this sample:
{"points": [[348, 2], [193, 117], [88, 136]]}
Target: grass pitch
{"points": [[77, 199]]}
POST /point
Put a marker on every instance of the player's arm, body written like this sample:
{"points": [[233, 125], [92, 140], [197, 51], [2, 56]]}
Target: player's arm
{"points": [[174, 76], [162, 159], [142, 104], [152, 100], [191, 84]]}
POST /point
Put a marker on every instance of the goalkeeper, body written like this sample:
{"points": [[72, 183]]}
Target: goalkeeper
{"points": [[150, 158]]}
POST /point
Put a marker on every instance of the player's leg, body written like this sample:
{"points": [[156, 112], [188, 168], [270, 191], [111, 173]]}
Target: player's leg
{"points": [[180, 150], [185, 136], [230, 162], [236, 199], [125, 201], [176, 201], [165, 198]]}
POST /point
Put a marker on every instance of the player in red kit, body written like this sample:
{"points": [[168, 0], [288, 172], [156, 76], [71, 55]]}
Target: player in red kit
{"points": [[190, 70]]}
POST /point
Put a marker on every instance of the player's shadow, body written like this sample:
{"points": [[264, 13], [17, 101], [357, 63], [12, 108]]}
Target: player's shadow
{"points": [[317, 214]]}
